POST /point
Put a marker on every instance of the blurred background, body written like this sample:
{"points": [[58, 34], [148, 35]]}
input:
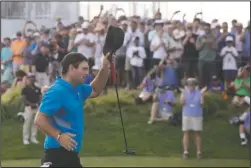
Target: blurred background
{"points": [[45, 13]]}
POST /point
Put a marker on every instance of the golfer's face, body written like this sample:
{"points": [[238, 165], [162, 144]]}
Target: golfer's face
{"points": [[82, 71]]}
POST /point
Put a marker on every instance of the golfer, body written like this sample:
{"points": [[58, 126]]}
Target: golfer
{"points": [[61, 114]]}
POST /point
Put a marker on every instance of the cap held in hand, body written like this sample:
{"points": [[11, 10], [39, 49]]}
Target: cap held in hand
{"points": [[114, 40]]}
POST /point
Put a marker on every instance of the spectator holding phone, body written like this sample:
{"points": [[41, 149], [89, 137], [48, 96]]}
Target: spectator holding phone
{"points": [[230, 55]]}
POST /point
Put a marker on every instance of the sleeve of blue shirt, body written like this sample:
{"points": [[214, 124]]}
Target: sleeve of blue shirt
{"points": [[86, 91], [51, 102]]}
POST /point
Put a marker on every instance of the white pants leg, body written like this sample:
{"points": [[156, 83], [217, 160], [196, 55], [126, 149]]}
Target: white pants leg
{"points": [[42, 79], [29, 127]]}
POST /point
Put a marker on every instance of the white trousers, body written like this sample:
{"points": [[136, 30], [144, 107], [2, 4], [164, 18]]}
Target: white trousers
{"points": [[29, 127], [42, 79]]}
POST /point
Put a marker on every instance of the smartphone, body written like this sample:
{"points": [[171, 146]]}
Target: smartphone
{"points": [[101, 7]]}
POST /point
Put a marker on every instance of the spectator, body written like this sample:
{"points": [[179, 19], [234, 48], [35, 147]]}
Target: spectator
{"points": [[91, 75], [170, 77], [158, 45], [229, 54], [198, 27], [216, 85], [190, 55], [31, 96], [17, 47], [206, 46], [121, 56], [192, 115], [246, 45], [6, 61], [242, 86], [85, 42], [147, 86], [135, 32], [221, 41], [238, 34], [99, 43], [41, 63], [176, 46], [162, 105], [244, 127], [45, 36], [72, 36], [29, 54], [136, 54], [234, 26]]}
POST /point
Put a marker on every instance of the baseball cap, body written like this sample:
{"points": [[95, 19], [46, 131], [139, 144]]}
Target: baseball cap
{"points": [[229, 38]]}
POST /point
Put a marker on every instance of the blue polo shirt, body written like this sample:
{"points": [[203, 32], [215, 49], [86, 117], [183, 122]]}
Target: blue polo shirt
{"points": [[63, 103]]}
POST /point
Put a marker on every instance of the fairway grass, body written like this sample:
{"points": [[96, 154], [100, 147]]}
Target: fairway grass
{"points": [[140, 161]]}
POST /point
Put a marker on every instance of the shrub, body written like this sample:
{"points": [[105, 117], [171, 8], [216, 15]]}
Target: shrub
{"points": [[11, 104]]}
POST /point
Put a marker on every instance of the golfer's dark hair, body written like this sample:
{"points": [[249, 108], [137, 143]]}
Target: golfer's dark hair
{"points": [[73, 59]]}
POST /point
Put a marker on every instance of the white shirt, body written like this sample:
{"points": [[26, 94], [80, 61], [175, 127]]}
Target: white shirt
{"points": [[131, 36], [136, 61], [238, 42], [160, 53], [99, 44], [229, 54], [178, 45], [82, 48]]}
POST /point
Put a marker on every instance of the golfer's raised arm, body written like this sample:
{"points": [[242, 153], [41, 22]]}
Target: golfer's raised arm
{"points": [[100, 80], [50, 104]]}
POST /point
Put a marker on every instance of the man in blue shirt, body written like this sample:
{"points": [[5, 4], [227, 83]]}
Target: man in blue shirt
{"points": [[61, 115]]}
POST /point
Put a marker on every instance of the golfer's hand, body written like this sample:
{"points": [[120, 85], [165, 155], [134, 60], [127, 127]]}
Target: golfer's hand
{"points": [[106, 62], [67, 142]]}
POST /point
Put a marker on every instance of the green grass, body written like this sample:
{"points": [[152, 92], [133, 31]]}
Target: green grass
{"points": [[156, 145], [140, 161]]}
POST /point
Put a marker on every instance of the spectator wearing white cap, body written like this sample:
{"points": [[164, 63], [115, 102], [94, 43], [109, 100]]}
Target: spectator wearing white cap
{"points": [[229, 54], [85, 42], [31, 96]]}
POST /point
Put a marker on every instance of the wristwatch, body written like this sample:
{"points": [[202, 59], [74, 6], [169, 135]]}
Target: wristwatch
{"points": [[59, 135]]}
